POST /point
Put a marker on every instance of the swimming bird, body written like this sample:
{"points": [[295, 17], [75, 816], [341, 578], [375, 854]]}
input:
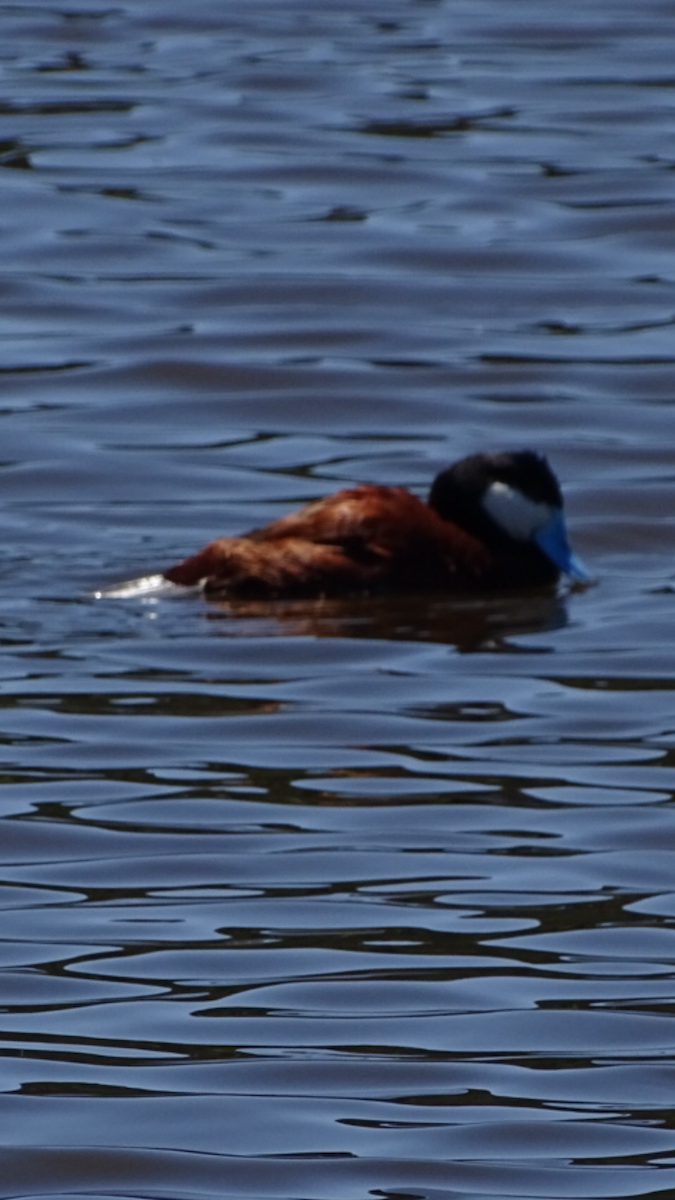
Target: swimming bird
{"points": [[491, 522]]}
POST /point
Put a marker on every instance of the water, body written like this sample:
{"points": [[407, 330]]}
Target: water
{"points": [[338, 899]]}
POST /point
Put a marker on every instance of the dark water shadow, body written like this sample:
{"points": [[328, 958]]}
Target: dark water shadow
{"points": [[474, 623]]}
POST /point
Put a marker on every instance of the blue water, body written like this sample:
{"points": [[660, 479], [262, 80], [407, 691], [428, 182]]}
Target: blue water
{"points": [[334, 899]]}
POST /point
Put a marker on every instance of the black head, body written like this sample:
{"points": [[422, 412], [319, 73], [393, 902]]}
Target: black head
{"points": [[508, 500]]}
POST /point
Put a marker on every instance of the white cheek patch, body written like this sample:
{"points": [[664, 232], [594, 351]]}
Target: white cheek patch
{"points": [[515, 513]]}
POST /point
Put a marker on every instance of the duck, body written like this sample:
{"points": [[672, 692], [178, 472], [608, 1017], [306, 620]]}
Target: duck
{"points": [[492, 521]]}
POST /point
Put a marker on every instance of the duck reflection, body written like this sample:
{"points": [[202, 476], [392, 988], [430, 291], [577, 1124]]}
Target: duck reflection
{"points": [[468, 624]]}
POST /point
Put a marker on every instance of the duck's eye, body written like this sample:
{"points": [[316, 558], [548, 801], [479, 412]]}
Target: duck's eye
{"points": [[514, 512]]}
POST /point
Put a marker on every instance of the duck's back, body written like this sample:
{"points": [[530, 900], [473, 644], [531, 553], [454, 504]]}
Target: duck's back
{"points": [[361, 538]]}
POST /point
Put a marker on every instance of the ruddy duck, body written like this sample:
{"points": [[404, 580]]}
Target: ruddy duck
{"points": [[492, 521]]}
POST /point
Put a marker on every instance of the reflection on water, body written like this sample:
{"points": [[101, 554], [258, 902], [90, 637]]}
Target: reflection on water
{"points": [[359, 897], [470, 622], [479, 623]]}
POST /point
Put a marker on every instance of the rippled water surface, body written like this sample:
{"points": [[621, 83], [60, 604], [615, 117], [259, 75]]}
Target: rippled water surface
{"points": [[334, 900]]}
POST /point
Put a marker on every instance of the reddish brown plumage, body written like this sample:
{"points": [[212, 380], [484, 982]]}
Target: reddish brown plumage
{"points": [[363, 538], [491, 521]]}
